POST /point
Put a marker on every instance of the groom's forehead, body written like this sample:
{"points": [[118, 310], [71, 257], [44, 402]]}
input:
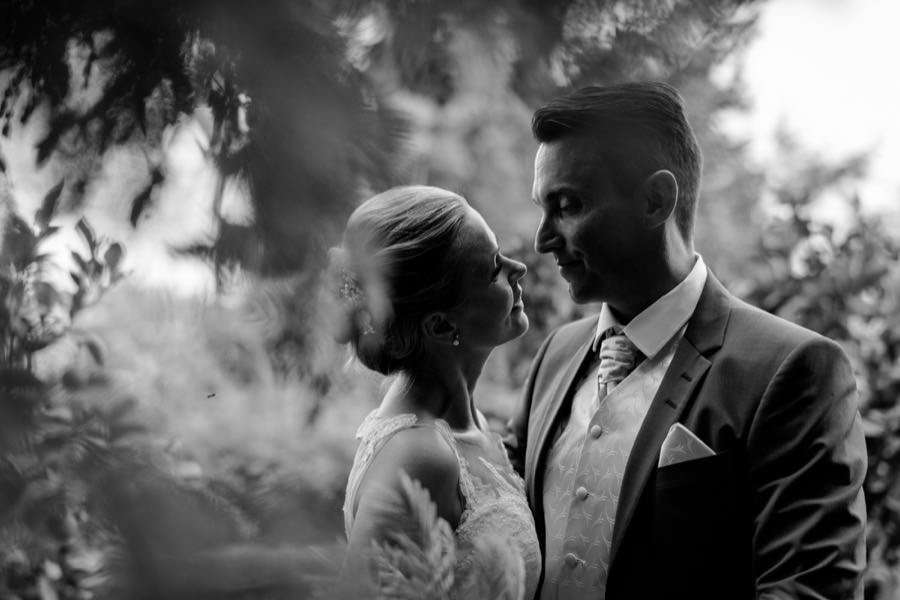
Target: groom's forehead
{"points": [[588, 146], [567, 158]]}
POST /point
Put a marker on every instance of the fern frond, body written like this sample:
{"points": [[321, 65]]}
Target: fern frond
{"points": [[418, 559]]}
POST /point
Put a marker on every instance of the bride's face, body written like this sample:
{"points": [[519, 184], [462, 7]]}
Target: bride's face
{"points": [[492, 312]]}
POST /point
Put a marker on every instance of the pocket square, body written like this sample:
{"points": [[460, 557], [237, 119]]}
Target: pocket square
{"points": [[682, 445]]}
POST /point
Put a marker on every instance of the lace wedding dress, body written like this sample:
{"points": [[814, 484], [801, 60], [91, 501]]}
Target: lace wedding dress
{"points": [[494, 496]]}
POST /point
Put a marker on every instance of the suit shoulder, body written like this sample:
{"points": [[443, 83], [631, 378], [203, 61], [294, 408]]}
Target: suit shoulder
{"points": [[750, 320], [575, 332], [751, 325]]}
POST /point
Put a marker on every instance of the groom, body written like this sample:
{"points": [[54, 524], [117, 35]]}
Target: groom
{"points": [[680, 444]]}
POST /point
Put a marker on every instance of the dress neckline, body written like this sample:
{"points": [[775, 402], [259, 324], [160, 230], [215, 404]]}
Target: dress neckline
{"points": [[412, 419]]}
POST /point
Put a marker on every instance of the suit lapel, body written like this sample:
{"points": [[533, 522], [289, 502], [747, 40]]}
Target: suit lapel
{"points": [[703, 336], [684, 373], [546, 418]]}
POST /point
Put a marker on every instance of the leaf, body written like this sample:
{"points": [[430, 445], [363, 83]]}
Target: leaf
{"points": [[419, 558], [113, 256], [80, 261], [139, 204], [46, 591], [19, 243], [87, 232], [872, 429], [48, 206], [58, 126], [95, 350]]}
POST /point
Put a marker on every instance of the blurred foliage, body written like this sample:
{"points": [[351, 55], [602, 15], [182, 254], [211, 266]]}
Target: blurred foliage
{"points": [[841, 279], [39, 294], [287, 115], [312, 105], [155, 446]]}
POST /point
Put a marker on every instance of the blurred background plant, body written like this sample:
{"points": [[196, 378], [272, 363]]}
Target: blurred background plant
{"points": [[187, 432]]}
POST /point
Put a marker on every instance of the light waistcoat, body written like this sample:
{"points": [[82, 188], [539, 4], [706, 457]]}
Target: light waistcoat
{"points": [[585, 465]]}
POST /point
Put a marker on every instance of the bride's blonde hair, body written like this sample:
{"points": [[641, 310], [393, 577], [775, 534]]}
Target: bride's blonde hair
{"points": [[399, 261]]}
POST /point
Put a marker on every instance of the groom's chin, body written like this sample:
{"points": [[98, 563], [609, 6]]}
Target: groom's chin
{"points": [[583, 295], [578, 295]]}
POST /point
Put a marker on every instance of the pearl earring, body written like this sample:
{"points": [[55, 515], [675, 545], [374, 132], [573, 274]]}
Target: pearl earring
{"points": [[455, 340]]}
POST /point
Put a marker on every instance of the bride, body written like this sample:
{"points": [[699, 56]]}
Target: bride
{"points": [[427, 295]]}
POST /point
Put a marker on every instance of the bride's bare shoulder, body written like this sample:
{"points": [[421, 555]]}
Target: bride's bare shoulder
{"points": [[421, 452], [425, 455]]}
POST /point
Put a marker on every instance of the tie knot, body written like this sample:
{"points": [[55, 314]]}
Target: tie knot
{"points": [[618, 357]]}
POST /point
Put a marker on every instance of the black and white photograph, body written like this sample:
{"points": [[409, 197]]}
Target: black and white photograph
{"points": [[449, 300]]}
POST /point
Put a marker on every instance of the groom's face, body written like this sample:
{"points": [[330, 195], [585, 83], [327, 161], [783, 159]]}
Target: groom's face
{"points": [[596, 232]]}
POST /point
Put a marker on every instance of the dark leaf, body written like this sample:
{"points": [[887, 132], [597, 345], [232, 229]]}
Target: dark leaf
{"points": [[87, 232], [203, 251], [28, 110], [19, 243], [60, 125], [48, 206], [140, 204], [113, 256], [49, 230], [81, 262], [95, 349]]}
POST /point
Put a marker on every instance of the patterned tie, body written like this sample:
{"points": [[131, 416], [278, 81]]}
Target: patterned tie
{"points": [[618, 357]]}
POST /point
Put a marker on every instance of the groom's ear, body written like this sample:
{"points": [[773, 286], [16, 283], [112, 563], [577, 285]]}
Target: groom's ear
{"points": [[660, 191], [438, 327]]}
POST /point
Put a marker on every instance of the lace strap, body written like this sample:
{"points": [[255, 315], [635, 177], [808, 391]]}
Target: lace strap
{"points": [[373, 433]]}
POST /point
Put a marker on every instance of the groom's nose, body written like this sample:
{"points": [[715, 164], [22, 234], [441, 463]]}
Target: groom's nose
{"points": [[546, 238]]}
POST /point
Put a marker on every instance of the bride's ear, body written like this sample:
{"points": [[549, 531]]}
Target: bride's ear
{"points": [[436, 326]]}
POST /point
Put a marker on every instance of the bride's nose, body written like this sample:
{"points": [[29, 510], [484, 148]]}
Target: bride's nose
{"points": [[517, 271]]}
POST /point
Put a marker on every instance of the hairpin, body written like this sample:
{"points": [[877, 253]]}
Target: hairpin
{"points": [[350, 291]]}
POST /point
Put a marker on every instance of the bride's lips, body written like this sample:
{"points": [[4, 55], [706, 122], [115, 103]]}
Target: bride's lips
{"points": [[518, 304]]}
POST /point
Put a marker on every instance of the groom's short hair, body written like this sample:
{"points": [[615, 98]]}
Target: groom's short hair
{"points": [[650, 130]]}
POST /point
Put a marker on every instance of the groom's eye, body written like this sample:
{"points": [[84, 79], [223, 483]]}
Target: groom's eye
{"points": [[567, 204]]}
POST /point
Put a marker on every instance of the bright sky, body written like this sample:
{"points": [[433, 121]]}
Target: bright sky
{"points": [[827, 70]]}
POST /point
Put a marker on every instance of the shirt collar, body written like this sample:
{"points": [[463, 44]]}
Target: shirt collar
{"points": [[659, 322]]}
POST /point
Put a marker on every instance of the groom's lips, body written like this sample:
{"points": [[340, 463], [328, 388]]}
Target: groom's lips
{"points": [[566, 265]]}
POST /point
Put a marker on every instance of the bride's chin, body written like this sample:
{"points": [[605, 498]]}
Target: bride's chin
{"points": [[521, 323]]}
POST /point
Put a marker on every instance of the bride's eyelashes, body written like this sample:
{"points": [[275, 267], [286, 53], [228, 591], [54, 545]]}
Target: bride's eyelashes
{"points": [[498, 267]]}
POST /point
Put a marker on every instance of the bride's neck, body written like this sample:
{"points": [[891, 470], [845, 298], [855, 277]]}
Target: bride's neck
{"points": [[442, 390]]}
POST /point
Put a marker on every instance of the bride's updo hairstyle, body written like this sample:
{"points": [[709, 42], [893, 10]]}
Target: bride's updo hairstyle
{"points": [[398, 262]]}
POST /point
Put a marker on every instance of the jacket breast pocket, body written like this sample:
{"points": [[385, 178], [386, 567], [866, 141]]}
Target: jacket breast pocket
{"points": [[709, 469], [698, 529]]}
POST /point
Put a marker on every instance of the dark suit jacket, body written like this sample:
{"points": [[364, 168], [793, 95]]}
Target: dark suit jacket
{"points": [[778, 512]]}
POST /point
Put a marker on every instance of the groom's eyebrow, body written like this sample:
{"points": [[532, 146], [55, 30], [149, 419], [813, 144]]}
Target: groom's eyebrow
{"points": [[563, 190], [552, 196]]}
